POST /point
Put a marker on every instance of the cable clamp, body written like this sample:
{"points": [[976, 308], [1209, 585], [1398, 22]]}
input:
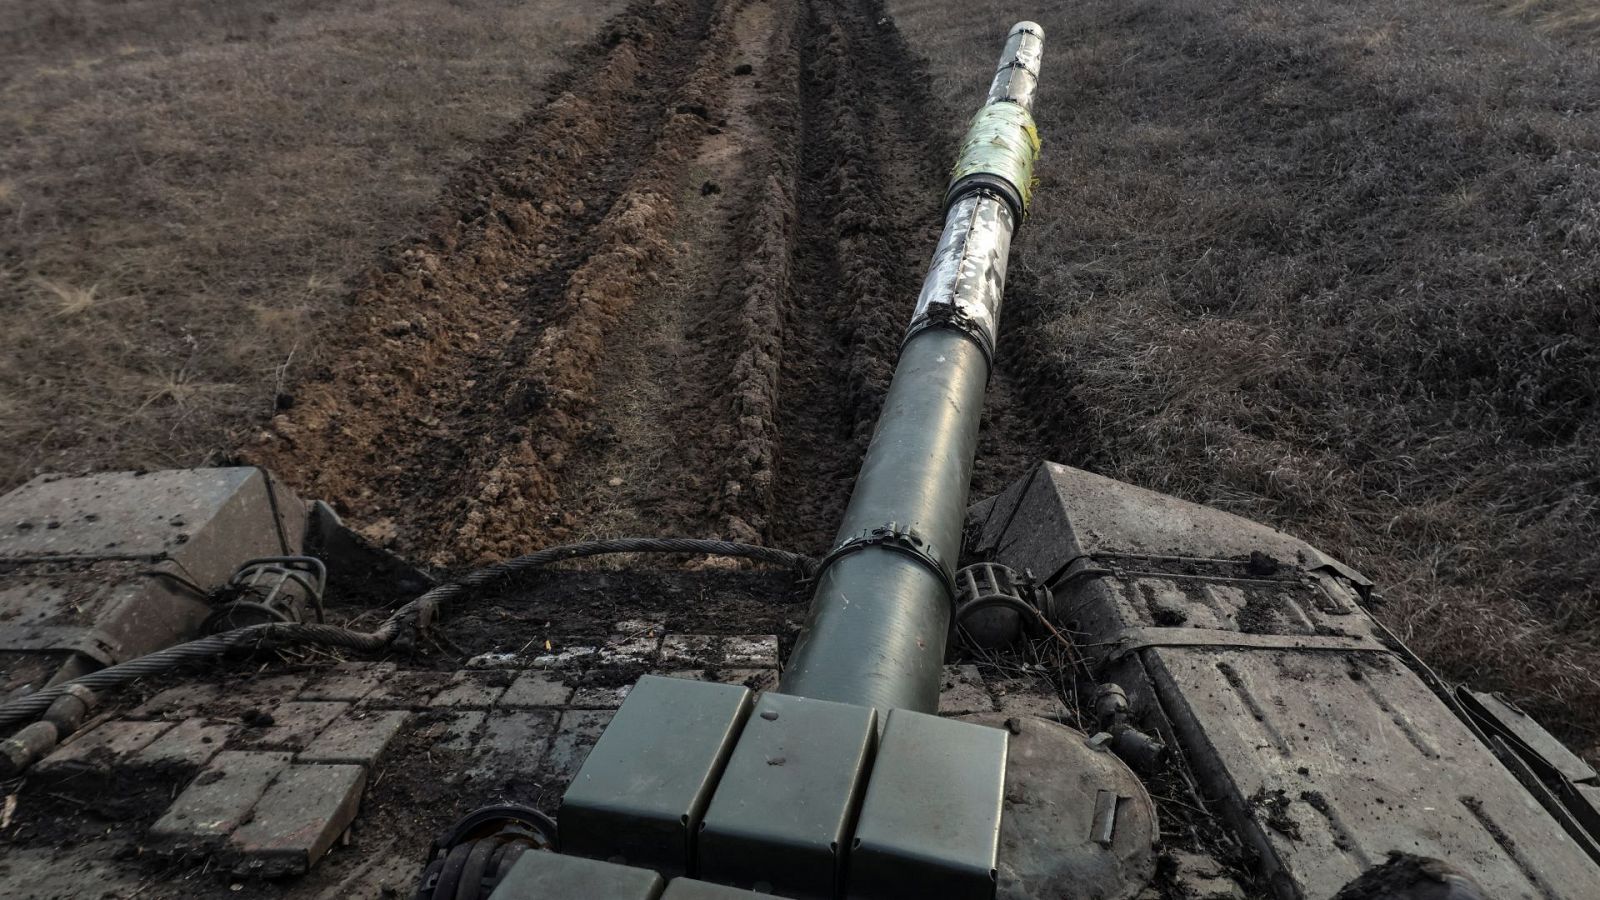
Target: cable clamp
{"points": [[892, 537]]}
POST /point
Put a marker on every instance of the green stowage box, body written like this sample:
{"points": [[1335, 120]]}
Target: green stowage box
{"points": [[641, 792], [782, 815], [539, 875], [930, 823]]}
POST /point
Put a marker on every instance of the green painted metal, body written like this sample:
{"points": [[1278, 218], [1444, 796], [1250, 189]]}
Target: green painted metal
{"points": [[643, 789], [880, 616], [879, 620], [930, 822], [784, 807], [537, 875]]}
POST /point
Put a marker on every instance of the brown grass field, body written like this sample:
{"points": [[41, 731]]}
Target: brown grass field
{"points": [[187, 187], [1335, 267]]}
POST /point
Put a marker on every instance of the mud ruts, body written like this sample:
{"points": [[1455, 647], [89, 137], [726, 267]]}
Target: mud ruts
{"points": [[704, 163]]}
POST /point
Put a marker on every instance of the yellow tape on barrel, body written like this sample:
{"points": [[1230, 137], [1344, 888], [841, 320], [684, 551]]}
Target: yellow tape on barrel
{"points": [[1002, 141]]}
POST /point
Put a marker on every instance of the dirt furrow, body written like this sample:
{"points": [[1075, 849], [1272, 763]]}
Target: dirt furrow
{"points": [[761, 282], [874, 169], [527, 496], [841, 326], [459, 380], [670, 302], [679, 417]]}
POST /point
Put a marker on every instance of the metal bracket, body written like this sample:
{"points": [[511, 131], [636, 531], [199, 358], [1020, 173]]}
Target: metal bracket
{"points": [[94, 643], [993, 586], [270, 589], [1119, 565], [1135, 639], [891, 537]]}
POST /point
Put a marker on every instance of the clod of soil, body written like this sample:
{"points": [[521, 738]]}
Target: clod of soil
{"points": [[1273, 810], [1408, 877]]}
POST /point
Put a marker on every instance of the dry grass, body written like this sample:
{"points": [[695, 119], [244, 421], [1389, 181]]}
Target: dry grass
{"points": [[1334, 267], [186, 188], [1331, 266], [1567, 19]]}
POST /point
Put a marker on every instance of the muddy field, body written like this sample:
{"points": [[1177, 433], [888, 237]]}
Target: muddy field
{"points": [[1329, 267], [667, 303]]}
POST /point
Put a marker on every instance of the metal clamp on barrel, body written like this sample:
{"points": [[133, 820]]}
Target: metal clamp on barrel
{"points": [[891, 537]]}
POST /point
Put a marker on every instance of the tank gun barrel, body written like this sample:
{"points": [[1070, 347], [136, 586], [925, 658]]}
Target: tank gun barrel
{"points": [[880, 616]]}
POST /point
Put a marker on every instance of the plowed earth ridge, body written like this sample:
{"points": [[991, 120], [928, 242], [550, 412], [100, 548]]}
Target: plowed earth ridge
{"points": [[669, 302]]}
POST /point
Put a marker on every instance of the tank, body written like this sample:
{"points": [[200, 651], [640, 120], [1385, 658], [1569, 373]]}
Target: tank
{"points": [[1074, 688]]}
